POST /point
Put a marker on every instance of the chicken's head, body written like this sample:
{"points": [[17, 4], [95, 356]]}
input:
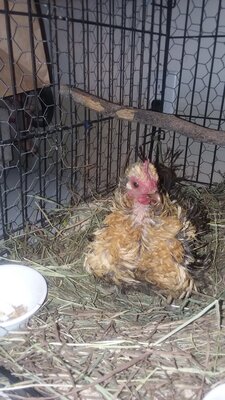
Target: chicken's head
{"points": [[142, 184]]}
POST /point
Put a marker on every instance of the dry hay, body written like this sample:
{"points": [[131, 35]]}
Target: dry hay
{"points": [[90, 341]]}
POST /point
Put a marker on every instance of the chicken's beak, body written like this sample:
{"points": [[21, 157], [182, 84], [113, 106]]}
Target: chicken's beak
{"points": [[155, 198]]}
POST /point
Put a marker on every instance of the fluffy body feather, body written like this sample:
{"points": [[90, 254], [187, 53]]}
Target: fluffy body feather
{"points": [[145, 238]]}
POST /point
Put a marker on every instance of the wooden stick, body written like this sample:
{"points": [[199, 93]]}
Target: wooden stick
{"points": [[165, 121]]}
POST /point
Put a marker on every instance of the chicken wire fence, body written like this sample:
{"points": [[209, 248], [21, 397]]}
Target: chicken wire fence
{"points": [[163, 54]]}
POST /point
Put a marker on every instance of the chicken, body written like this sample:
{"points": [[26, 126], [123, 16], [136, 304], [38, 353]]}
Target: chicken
{"points": [[146, 238]]}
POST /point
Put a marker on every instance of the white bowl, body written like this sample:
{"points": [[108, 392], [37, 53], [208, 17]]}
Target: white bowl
{"points": [[218, 393], [20, 286]]}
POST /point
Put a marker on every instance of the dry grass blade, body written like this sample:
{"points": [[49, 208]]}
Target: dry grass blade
{"points": [[90, 341]]}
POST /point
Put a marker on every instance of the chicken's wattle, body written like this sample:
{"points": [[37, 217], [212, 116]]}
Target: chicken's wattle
{"points": [[146, 199]]}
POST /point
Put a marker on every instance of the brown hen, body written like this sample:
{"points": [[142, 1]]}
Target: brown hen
{"points": [[146, 238]]}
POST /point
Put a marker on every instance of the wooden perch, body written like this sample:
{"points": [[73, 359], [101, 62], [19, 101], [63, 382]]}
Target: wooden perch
{"points": [[165, 121]]}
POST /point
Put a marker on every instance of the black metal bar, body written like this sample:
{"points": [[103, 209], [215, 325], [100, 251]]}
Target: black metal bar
{"points": [[111, 51], [58, 136], [51, 132], [196, 117], [99, 129], [44, 36], [88, 88], [111, 68], [74, 127], [202, 36], [34, 79], [3, 187], [164, 6], [132, 52], [132, 70], [216, 147], [71, 55], [209, 86], [122, 53], [109, 157], [194, 84], [149, 80], [86, 85], [121, 124], [154, 129], [77, 20], [181, 69], [101, 48], [56, 125], [4, 215], [159, 50], [98, 59], [166, 49], [13, 81], [141, 67]]}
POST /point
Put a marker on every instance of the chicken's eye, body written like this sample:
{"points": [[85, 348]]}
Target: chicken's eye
{"points": [[135, 184]]}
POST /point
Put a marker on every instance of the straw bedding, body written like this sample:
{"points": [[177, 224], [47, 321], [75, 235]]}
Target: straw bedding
{"points": [[92, 341]]}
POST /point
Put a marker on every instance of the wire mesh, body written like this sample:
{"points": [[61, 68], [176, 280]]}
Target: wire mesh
{"points": [[140, 53]]}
